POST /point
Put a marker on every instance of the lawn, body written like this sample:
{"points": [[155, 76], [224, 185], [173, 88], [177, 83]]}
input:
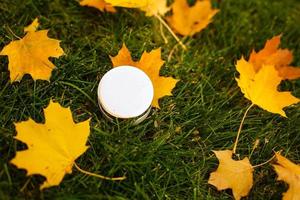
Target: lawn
{"points": [[169, 155]]}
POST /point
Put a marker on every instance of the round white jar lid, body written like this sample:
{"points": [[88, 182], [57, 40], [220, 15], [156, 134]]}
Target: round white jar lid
{"points": [[125, 92]]}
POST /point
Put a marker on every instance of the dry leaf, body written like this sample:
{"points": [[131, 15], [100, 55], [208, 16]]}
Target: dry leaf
{"points": [[151, 7], [150, 63], [232, 174], [188, 20], [33, 26], [290, 173], [261, 87], [53, 146], [271, 54], [155, 7], [128, 3], [99, 4], [30, 55]]}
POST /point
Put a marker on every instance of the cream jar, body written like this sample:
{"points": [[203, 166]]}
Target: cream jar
{"points": [[125, 92]]}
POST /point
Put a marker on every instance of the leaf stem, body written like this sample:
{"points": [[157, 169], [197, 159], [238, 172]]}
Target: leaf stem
{"points": [[99, 176], [162, 33], [170, 30], [266, 162], [240, 128]]}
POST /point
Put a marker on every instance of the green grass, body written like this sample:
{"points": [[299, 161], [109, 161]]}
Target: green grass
{"points": [[169, 155]]}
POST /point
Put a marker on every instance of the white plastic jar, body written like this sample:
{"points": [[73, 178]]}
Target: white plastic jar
{"points": [[125, 92]]}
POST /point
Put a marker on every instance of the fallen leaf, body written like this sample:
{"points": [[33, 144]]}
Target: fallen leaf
{"points": [[99, 4], [128, 3], [188, 20], [288, 172], [30, 55], [232, 174], [271, 54], [260, 87], [151, 7], [155, 7], [33, 26], [53, 146], [150, 63]]}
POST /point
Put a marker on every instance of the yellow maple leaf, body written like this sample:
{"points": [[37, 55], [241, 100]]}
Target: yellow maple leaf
{"points": [[271, 54], [128, 3], [99, 4], [232, 174], [288, 172], [155, 7], [261, 87], [188, 20], [150, 63], [53, 146], [151, 7], [30, 55], [33, 26]]}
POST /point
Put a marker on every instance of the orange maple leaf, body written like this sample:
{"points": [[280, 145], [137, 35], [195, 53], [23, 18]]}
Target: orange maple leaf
{"points": [[261, 87], [150, 7], [271, 54], [155, 7], [288, 172], [232, 174], [128, 3], [30, 55], [150, 63], [188, 20], [99, 4], [53, 146]]}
